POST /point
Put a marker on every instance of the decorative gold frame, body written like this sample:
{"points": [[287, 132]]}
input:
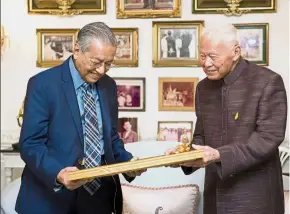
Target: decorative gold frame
{"points": [[170, 122], [265, 28], [144, 163], [215, 7], [49, 7], [145, 13], [194, 80], [134, 61], [157, 61], [40, 32]]}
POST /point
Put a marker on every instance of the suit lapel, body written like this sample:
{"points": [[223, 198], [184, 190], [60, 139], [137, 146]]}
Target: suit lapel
{"points": [[71, 98]]}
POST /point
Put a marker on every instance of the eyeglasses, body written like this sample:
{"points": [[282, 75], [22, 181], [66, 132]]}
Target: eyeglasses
{"points": [[95, 65]]}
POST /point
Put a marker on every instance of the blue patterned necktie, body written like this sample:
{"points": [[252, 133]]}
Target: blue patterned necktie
{"points": [[92, 144]]}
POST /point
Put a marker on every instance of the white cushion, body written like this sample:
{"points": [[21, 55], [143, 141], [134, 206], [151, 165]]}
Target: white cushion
{"points": [[9, 196], [166, 200]]}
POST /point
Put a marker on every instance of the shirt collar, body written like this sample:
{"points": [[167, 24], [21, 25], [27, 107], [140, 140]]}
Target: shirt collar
{"points": [[234, 74], [77, 79]]}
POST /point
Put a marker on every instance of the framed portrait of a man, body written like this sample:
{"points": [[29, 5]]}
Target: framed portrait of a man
{"points": [[127, 50], [254, 41], [148, 9], [128, 129], [177, 94], [54, 46], [177, 131], [176, 43], [131, 94]]}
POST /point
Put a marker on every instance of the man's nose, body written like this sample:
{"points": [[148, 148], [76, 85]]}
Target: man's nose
{"points": [[207, 62], [101, 70]]}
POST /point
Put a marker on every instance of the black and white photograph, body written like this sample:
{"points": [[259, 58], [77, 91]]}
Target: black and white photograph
{"points": [[55, 46]]}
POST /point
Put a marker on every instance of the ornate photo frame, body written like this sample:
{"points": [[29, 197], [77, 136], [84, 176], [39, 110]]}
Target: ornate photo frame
{"points": [[54, 46], [177, 93], [176, 43], [127, 51], [148, 9], [254, 40]]}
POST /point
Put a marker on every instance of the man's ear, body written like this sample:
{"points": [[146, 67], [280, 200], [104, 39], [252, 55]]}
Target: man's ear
{"points": [[237, 52], [77, 50]]}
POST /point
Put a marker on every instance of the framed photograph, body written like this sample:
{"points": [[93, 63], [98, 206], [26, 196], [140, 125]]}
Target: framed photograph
{"points": [[148, 9], [176, 43], [131, 94], [127, 51], [128, 129], [75, 7], [211, 6], [177, 94], [254, 40], [177, 131], [54, 46]]}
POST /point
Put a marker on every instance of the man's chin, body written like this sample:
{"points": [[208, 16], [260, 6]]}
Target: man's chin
{"points": [[214, 77]]}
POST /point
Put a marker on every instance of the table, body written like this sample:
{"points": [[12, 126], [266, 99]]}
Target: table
{"points": [[10, 159]]}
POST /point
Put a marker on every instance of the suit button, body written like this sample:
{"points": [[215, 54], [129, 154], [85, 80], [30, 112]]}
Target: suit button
{"points": [[224, 131], [231, 175]]}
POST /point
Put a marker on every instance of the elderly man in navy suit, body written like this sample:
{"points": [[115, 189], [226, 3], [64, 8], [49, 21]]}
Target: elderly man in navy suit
{"points": [[70, 122]]}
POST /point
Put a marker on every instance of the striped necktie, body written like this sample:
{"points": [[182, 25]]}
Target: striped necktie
{"points": [[92, 143]]}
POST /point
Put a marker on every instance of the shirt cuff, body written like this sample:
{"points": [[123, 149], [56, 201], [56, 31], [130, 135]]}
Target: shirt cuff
{"points": [[57, 186]]}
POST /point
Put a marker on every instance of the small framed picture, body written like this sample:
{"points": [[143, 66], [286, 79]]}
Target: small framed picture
{"points": [[128, 129], [177, 94], [148, 9], [254, 40], [127, 51], [54, 46], [131, 94], [177, 131], [176, 43]]}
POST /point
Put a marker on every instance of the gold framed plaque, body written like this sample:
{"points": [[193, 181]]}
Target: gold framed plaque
{"points": [[145, 163]]}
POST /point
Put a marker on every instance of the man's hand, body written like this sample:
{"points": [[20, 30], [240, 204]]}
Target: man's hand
{"points": [[210, 155], [62, 178], [171, 151], [135, 173]]}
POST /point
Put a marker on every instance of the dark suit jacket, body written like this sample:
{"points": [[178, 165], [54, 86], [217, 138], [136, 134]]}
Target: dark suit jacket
{"points": [[52, 138], [244, 117]]}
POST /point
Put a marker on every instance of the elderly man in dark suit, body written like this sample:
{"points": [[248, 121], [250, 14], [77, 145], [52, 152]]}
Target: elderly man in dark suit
{"points": [[241, 111], [70, 122]]}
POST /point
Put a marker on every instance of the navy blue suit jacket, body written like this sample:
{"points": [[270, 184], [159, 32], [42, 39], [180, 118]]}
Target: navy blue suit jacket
{"points": [[52, 138]]}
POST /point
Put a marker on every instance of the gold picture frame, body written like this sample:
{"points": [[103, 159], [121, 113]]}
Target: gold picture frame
{"points": [[54, 46], [179, 127], [127, 45], [165, 36], [251, 6], [140, 10], [79, 7], [177, 93], [143, 163], [254, 41]]}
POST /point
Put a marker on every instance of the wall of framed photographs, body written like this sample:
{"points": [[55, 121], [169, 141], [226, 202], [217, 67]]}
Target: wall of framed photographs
{"points": [[147, 67]]}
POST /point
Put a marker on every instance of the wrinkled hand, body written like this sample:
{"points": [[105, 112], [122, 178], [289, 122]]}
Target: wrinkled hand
{"points": [[135, 173], [210, 155], [62, 178], [171, 151]]}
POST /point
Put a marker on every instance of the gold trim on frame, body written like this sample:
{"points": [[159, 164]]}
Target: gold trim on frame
{"points": [[145, 13], [134, 61], [52, 9], [145, 163], [244, 6], [194, 80], [157, 62], [39, 33], [264, 26]]}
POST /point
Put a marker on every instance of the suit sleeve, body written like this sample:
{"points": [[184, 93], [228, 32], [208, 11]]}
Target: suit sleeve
{"points": [[33, 136], [198, 136], [265, 140], [120, 154]]}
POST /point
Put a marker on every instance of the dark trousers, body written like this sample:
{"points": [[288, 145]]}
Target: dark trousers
{"points": [[101, 202]]}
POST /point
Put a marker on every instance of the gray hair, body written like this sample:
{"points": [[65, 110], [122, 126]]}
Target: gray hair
{"points": [[95, 30], [225, 33]]}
